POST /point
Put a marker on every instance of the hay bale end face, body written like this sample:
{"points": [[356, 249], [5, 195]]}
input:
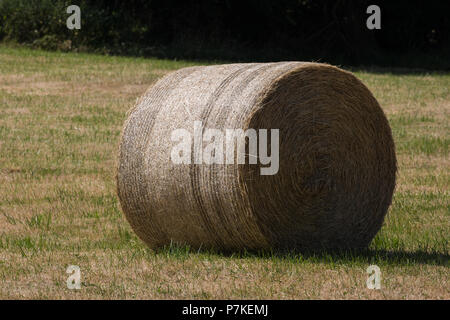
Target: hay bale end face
{"points": [[336, 171]]}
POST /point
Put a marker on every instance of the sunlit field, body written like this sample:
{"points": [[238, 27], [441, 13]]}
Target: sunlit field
{"points": [[60, 120]]}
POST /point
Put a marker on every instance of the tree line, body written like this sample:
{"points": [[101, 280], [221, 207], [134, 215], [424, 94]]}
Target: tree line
{"points": [[412, 33]]}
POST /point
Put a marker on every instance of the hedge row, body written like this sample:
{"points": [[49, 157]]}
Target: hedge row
{"points": [[412, 33]]}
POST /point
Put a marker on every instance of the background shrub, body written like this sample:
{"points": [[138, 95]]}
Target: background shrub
{"points": [[414, 33]]}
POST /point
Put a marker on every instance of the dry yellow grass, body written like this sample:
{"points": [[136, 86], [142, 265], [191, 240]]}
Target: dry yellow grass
{"points": [[60, 120]]}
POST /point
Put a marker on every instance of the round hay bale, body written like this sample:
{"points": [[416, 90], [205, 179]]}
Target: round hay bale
{"points": [[337, 163]]}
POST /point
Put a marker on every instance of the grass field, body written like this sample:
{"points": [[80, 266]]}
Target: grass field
{"points": [[60, 120]]}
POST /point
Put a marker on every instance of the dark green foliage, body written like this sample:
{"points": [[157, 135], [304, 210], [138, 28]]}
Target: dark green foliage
{"points": [[413, 33]]}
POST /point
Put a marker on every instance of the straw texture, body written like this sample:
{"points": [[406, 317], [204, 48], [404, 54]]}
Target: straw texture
{"points": [[337, 160]]}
